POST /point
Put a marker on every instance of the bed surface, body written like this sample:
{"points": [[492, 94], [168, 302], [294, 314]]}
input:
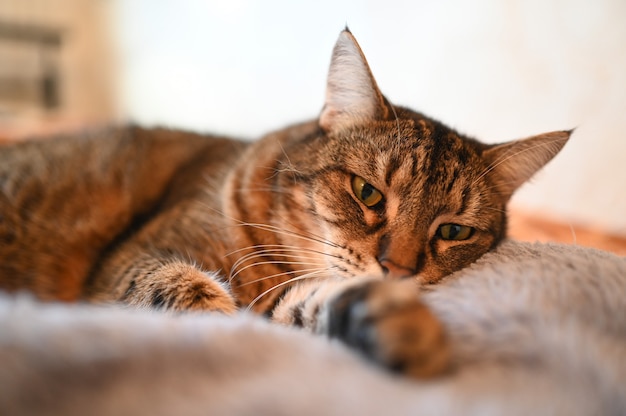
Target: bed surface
{"points": [[536, 328]]}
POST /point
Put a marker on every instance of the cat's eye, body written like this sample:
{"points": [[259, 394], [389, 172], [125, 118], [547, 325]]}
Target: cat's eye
{"points": [[365, 192], [454, 232]]}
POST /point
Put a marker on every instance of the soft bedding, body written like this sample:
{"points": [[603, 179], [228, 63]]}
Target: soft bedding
{"points": [[535, 328]]}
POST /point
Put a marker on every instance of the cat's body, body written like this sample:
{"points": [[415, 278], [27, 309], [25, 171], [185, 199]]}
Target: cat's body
{"points": [[301, 225]]}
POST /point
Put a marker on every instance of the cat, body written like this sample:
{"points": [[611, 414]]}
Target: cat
{"points": [[330, 224]]}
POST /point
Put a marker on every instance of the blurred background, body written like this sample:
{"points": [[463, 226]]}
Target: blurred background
{"points": [[491, 69]]}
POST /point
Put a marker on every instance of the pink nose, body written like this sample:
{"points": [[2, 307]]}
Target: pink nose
{"points": [[393, 271]]}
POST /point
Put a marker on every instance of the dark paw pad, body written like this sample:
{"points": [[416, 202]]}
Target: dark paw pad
{"points": [[386, 322]]}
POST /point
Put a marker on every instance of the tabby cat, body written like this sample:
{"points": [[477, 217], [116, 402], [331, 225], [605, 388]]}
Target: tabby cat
{"points": [[328, 225]]}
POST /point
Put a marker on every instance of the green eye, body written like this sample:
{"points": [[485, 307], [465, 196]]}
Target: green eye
{"points": [[365, 192], [454, 232]]}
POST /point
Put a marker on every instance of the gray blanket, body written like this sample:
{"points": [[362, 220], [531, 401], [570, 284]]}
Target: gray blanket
{"points": [[537, 329]]}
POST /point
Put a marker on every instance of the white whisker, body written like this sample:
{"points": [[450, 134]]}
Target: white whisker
{"points": [[289, 167], [272, 253], [295, 279], [262, 263], [571, 227], [279, 247], [277, 230], [495, 187], [397, 120], [283, 274], [271, 228]]}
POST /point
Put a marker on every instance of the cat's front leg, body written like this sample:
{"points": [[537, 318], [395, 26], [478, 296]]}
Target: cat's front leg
{"points": [[162, 282], [384, 320]]}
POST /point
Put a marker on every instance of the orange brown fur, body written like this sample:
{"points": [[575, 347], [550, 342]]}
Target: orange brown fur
{"points": [[179, 221]]}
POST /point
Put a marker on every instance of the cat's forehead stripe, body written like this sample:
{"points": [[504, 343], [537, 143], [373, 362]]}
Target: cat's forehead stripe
{"points": [[403, 170], [393, 165]]}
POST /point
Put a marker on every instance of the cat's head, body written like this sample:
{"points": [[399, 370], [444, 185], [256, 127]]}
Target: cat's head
{"points": [[398, 194]]}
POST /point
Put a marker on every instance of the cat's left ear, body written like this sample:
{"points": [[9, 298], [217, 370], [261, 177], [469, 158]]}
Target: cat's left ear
{"points": [[352, 96], [511, 164]]}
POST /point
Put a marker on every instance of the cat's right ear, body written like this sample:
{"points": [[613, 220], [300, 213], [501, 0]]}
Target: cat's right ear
{"points": [[352, 96]]}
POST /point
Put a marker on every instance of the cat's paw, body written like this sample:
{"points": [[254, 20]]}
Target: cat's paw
{"points": [[179, 287], [386, 321]]}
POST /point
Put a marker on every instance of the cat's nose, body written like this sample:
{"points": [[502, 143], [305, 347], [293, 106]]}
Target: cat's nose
{"points": [[394, 271]]}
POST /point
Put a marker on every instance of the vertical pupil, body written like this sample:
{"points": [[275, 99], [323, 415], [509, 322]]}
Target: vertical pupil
{"points": [[454, 230], [366, 192]]}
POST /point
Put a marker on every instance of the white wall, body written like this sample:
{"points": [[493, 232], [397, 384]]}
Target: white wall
{"points": [[493, 69]]}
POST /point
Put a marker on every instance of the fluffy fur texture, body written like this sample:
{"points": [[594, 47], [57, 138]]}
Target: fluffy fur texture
{"points": [[536, 329], [313, 225]]}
